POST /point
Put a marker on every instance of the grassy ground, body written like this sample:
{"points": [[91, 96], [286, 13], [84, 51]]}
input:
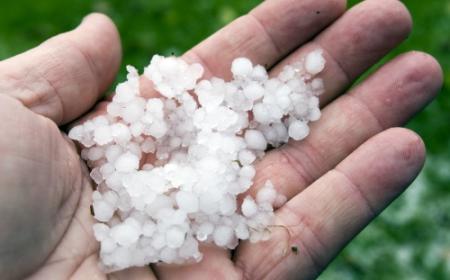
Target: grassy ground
{"points": [[411, 240]]}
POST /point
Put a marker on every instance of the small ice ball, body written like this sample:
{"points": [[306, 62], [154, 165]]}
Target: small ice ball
{"points": [[155, 106], [120, 132], [159, 241], [106, 170], [103, 211], [100, 121], [103, 135], [241, 67], [259, 73], [246, 157], [76, 133], [254, 91], [314, 114], [210, 94], [242, 231], [157, 129], [148, 228], [136, 129], [314, 62], [127, 162], [247, 171], [266, 194], [227, 205], [107, 245], [298, 130], [125, 234], [114, 109], [189, 249], [95, 153], [204, 230], [255, 140], [124, 93], [111, 197], [133, 111], [175, 237], [101, 231], [187, 201], [223, 235], [249, 207], [261, 113], [113, 152], [96, 175]]}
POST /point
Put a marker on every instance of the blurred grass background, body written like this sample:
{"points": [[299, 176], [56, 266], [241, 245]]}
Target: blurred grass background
{"points": [[411, 240]]}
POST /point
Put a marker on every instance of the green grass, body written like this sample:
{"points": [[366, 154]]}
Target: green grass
{"points": [[411, 240]]}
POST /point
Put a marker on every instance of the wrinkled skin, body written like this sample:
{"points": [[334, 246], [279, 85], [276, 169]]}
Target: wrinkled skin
{"points": [[353, 164]]}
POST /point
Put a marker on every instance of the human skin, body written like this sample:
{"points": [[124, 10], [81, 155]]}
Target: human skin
{"points": [[353, 164]]}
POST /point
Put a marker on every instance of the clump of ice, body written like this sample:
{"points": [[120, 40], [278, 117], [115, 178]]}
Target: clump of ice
{"points": [[169, 170]]}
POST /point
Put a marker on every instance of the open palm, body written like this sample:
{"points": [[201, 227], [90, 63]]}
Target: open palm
{"points": [[337, 180]]}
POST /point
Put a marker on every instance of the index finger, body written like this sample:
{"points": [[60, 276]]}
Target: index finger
{"points": [[266, 34]]}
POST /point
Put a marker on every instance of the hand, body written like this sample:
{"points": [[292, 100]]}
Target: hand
{"points": [[351, 166]]}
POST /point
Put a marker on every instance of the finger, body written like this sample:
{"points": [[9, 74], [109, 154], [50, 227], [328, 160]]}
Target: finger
{"points": [[323, 218], [266, 34], [356, 41], [389, 98], [63, 77]]}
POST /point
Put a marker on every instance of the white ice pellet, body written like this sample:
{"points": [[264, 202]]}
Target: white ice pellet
{"points": [[314, 62], [254, 91], [255, 140], [241, 67], [246, 157], [227, 205], [210, 94], [76, 133], [298, 130], [223, 235], [127, 162], [204, 230], [187, 201], [103, 135], [247, 171], [249, 207], [175, 237], [125, 234], [103, 211], [120, 132], [95, 153], [171, 170], [267, 194], [101, 231]]}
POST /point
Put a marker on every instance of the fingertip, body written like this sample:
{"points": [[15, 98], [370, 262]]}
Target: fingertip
{"points": [[408, 146], [422, 67], [430, 68], [101, 25], [391, 14], [104, 40]]}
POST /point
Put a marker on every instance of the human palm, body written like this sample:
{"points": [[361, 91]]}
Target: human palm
{"points": [[351, 166]]}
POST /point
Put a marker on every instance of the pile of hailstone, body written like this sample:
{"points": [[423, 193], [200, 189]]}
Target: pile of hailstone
{"points": [[169, 170]]}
